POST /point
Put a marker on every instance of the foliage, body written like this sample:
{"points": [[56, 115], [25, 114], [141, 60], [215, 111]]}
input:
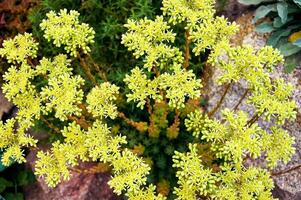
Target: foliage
{"points": [[209, 163], [283, 25], [12, 180], [107, 19]]}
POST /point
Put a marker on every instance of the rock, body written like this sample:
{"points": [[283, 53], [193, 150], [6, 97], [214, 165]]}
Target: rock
{"points": [[288, 185], [281, 194], [82, 186], [297, 196], [5, 105], [285, 195], [231, 9]]}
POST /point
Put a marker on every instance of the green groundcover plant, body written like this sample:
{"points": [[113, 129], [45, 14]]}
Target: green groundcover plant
{"points": [[211, 165]]}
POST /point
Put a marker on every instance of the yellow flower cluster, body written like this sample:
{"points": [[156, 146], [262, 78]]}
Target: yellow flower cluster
{"points": [[246, 183], [19, 90], [244, 62], [12, 139], [63, 94], [100, 100], [163, 77], [254, 66], [141, 87], [18, 49], [210, 33], [195, 122], [65, 29], [177, 85], [152, 38], [270, 98], [237, 137], [97, 143], [60, 65], [278, 146], [191, 12], [193, 178], [146, 194], [204, 28]]}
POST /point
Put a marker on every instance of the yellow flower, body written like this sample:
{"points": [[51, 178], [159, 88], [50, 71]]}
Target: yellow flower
{"points": [[18, 49], [65, 29]]}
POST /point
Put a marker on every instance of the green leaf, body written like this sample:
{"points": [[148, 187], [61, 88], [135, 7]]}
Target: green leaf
{"points": [[291, 62], [161, 162], [277, 23], [282, 9], [298, 2], [293, 8], [289, 49], [14, 196], [2, 167], [264, 28], [275, 37], [4, 184], [297, 43], [263, 11], [251, 2], [289, 67], [25, 178], [2, 187]]}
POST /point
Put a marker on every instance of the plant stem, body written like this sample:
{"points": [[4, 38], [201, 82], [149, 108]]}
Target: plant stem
{"points": [[95, 169], [177, 119], [149, 107], [254, 119], [80, 121], [85, 112], [206, 75], [187, 50], [137, 125], [101, 73], [87, 69], [156, 71], [176, 122], [50, 125], [241, 99], [85, 125], [100, 70], [286, 171], [211, 113]]}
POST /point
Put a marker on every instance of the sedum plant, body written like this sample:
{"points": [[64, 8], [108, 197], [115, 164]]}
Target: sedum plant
{"points": [[212, 163], [107, 19]]}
